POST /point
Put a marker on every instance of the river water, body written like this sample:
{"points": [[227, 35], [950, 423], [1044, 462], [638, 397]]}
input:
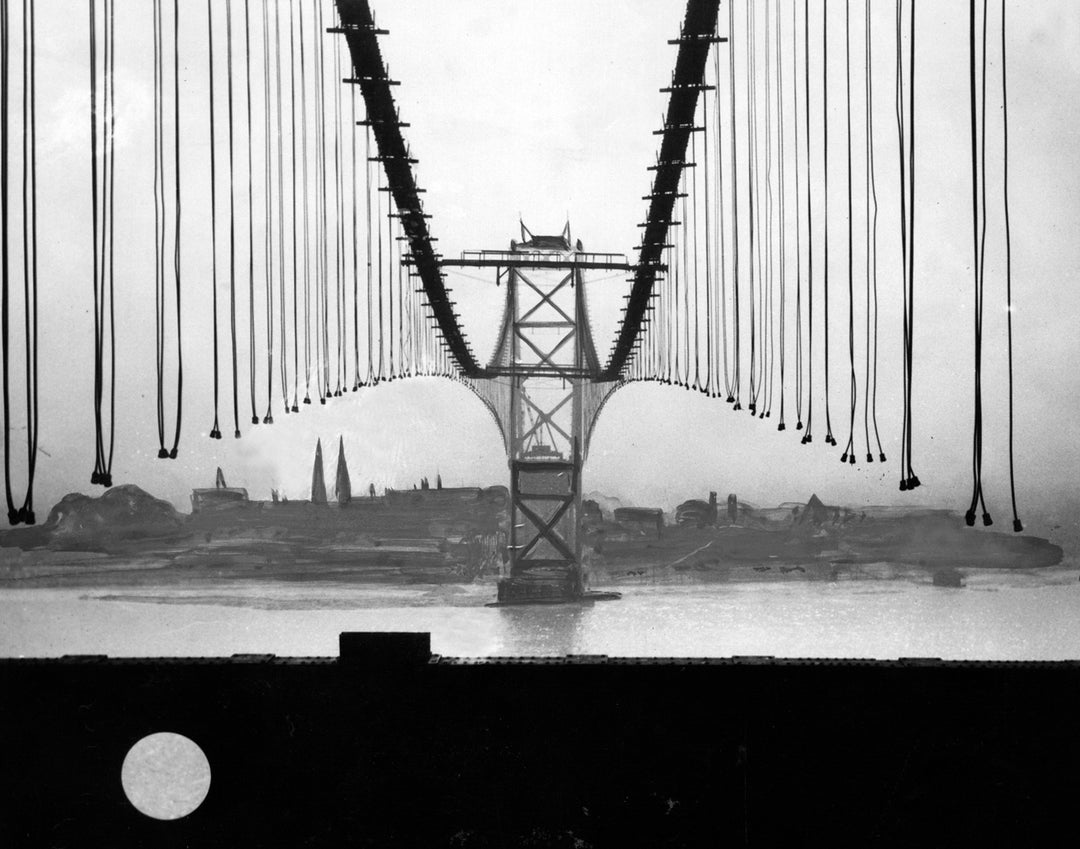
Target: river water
{"points": [[995, 616]]}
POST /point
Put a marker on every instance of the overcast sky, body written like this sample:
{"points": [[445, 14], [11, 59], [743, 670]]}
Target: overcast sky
{"points": [[547, 111]]}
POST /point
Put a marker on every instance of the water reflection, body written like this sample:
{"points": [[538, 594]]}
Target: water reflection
{"points": [[554, 629]]}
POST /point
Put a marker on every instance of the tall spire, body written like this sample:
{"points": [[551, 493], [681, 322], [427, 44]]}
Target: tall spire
{"points": [[342, 485], [318, 482]]}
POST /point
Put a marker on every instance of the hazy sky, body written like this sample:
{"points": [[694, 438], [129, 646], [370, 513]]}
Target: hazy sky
{"points": [[547, 111]]}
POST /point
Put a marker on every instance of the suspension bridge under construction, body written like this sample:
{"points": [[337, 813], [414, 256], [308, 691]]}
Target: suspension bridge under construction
{"points": [[327, 277]]}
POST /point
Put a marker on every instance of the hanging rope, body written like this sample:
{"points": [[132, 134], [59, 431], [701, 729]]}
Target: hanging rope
{"points": [[339, 239], [808, 437], [752, 169], [215, 431], [978, 183], [322, 232], [110, 51], [909, 480], [712, 242], [30, 243], [161, 221], [849, 450], [378, 233], [391, 370], [871, 262], [174, 451], [307, 193], [766, 290], [295, 245], [829, 438], [721, 228], [734, 394], [697, 288], [684, 380], [798, 223], [103, 249], [401, 306], [159, 231], [232, 221], [783, 224], [367, 230], [282, 305], [250, 218], [5, 259], [268, 183], [355, 241], [28, 227], [1018, 526], [901, 130], [322, 352]]}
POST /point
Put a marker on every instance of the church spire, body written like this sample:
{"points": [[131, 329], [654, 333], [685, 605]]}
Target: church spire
{"points": [[318, 481], [342, 484]]}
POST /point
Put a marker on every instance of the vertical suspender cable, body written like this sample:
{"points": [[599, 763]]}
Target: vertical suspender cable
{"points": [[318, 72], [232, 220], [697, 290], [783, 187], [809, 435], [829, 438], [872, 225], [378, 234], [295, 244], [903, 143], [798, 222], [324, 239], [355, 243], [283, 322], [215, 431], [305, 188], [26, 514], [95, 477], [765, 313], [686, 280], [849, 450], [176, 237], [268, 182], [709, 323], [111, 83], [912, 479], [367, 232], [733, 395], [755, 248], [335, 61], [339, 293], [401, 324], [5, 256], [978, 170], [250, 217], [1017, 524], [390, 276], [159, 232], [721, 229]]}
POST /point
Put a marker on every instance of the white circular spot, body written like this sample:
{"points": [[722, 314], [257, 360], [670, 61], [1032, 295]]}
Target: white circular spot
{"points": [[165, 776]]}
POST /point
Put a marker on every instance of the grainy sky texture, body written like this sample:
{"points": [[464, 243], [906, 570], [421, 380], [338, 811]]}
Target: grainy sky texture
{"points": [[547, 111]]}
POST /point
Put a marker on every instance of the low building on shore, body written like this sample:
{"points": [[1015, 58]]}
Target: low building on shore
{"points": [[221, 496], [641, 519]]}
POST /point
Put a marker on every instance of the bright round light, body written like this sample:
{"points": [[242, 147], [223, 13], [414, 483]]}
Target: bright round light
{"points": [[165, 776]]}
